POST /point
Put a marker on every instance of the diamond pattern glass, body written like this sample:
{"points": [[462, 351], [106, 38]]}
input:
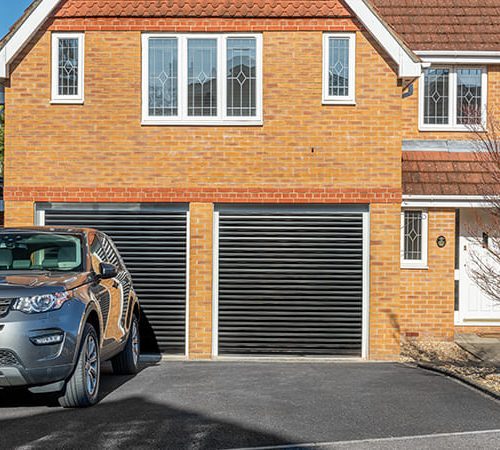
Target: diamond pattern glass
{"points": [[469, 96], [163, 73], [413, 235], [68, 66], [338, 67], [202, 77], [436, 97], [241, 77]]}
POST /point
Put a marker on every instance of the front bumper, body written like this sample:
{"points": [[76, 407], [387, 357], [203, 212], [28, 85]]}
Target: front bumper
{"points": [[22, 363]]}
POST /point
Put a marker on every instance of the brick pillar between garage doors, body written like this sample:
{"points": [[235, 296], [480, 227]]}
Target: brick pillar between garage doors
{"points": [[19, 214], [200, 280]]}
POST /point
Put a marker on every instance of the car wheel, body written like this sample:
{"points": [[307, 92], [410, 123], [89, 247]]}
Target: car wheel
{"points": [[127, 361], [82, 388]]}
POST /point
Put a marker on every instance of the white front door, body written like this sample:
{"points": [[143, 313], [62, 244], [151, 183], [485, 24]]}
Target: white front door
{"points": [[475, 306]]}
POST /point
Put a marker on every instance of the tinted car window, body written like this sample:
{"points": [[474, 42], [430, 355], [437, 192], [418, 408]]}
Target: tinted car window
{"points": [[40, 251]]}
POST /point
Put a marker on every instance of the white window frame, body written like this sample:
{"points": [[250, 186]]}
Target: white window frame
{"points": [[182, 48], [68, 99], [349, 99], [415, 263], [452, 104]]}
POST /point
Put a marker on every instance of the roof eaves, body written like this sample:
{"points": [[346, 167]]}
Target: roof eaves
{"points": [[407, 61], [34, 16], [19, 22]]}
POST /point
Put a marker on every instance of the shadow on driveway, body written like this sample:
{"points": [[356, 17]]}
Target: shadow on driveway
{"points": [[131, 423]]}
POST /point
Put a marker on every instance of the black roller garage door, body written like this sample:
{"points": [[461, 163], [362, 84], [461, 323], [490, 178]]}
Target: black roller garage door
{"points": [[152, 242], [290, 281]]}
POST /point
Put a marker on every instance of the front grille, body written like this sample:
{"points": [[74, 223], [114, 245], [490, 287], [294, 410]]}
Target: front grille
{"points": [[4, 305], [7, 358]]}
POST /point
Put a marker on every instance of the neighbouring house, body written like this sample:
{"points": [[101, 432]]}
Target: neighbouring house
{"points": [[282, 177]]}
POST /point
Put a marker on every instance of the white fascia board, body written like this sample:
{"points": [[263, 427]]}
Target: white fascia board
{"points": [[3, 65], [408, 67], [446, 201], [29, 27], [459, 56]]}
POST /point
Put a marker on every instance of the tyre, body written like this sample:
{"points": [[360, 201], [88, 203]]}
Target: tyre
{"points": [[127, 361], [82, 388]]}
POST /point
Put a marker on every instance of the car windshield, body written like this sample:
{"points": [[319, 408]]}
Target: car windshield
{"points": [[40, 251]]}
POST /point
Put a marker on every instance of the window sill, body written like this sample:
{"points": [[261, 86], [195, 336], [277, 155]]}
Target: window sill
{"points": [[407, 266], [204, 123], [67, 102], [338, 102], [456, 129]]}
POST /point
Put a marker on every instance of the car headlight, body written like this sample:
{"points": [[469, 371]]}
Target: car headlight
{"points": [[41, 303]]}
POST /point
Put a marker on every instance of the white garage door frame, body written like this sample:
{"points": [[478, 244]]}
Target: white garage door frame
{"points": [[363, 209], [40, 209]]}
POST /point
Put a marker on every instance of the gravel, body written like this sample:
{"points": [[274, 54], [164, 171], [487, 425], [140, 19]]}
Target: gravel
{"points": [[450, 357]]}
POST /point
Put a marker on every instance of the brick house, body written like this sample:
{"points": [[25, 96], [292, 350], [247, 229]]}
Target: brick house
{"points": [[275, 173]]}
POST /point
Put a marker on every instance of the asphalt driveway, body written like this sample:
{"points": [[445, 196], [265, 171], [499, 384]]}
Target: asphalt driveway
{"points": [[179, 405]]}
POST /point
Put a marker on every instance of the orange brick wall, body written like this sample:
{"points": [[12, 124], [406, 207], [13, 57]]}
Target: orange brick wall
{"points": [[411, 110], [384, 281], [355, 147], [304, 153], [200, 285], [428, 295], [19, 213]]}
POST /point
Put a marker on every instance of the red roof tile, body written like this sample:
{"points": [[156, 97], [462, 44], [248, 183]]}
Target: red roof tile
{"points": [[444, 24], [448, 173], [203, 8]]}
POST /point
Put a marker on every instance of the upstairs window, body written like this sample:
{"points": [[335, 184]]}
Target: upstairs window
{"points": [[67, 67], [201, 79], [338, 68], [453, 98], [414, 239]]}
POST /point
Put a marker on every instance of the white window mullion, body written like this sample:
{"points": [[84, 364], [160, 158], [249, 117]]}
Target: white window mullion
{"points": [[222, 84], [452, 104], [183, 77], [221, 77]]}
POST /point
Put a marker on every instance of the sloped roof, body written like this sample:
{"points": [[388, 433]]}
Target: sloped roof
{"points": [[41, 10], [204, 8], [448, 173], [444, 24]]}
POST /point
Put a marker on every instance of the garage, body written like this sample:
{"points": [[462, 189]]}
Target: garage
{"points": [[152, 239], [291, 280]]}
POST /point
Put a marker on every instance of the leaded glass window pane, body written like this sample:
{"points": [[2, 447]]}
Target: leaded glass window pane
{"points": [[436, 97], [163, 73], [338, 67], [241, 77], [413, 235], [68, 66], [202, 77], [469, 96]]}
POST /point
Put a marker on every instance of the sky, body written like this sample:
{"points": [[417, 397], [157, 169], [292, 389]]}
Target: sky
{"points": [[10, 11]]}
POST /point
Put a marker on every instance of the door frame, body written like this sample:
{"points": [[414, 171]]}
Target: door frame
{"points": [[363, 209], [39, 219]]}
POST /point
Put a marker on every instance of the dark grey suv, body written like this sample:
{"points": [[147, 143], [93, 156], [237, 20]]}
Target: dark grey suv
{"points": [[66, 304]]}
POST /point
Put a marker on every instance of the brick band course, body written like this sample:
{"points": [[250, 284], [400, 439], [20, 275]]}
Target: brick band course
{"points": [[225, 195]]}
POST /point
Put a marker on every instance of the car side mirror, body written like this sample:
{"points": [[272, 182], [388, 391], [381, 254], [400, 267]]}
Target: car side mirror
{"points": [[107, 271]]}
